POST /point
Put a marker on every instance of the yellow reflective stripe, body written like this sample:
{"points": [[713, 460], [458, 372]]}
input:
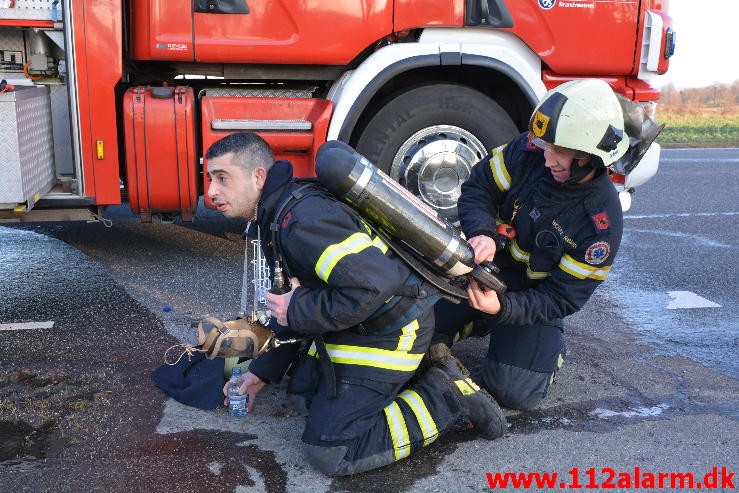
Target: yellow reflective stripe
{"points": [[536, 275], [379, 243], [523, 256], [500, 173], [423, 416], [560, 360], [331, 255], [467, 386], [582, 271], [472, 384], [408, 337], [517, 253], [376, 241], [467, 329], [464, 333], [368, 356], [398, 431]]}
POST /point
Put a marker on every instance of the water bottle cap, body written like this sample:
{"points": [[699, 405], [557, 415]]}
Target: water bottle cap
{"points": [[236, 370]]}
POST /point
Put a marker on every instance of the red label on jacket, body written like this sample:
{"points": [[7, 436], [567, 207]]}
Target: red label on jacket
{"points": [[601, 221], [286, 219]]}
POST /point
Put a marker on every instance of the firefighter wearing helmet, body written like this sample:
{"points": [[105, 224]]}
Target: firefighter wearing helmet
{"points": [[583, 116], [544, 207]]}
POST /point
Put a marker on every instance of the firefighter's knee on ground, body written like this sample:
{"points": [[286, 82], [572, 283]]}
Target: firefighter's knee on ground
{"points": [[328, 460], [513, 387]]}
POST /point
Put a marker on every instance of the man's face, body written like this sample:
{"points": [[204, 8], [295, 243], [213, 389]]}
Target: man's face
{"points": [[233, 189], [560, 160]]}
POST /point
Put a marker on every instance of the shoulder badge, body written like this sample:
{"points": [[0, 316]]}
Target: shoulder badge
{"points": [[601, 221], [597, 253]]}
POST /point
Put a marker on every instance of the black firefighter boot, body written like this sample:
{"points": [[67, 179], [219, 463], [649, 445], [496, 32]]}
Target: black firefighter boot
{"points": [[477, 404]]}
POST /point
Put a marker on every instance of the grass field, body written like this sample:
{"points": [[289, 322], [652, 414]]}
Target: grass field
{"points": [[708, 127]]}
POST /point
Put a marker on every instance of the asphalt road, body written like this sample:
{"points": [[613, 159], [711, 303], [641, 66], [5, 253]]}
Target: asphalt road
{"points": [[650, 381]]}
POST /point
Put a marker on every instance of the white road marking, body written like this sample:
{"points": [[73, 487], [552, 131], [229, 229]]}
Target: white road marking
{"points": [[697, 160], [688, 299], [679, 234], [641, 412], [27, 325], [681, 214]]}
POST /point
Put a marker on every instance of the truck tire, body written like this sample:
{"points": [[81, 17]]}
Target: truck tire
{"points": [[429, 137]]}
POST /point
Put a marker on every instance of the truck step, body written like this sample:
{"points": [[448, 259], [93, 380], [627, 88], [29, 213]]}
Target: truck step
{"points": [[293, 127], [262, 125]]}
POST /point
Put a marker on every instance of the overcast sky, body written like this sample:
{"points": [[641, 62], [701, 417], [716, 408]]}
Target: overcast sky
{"points": [[706, 43]]}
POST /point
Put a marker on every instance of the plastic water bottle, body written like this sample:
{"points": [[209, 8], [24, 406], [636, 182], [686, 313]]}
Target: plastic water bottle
{"points": [[237, 402]]}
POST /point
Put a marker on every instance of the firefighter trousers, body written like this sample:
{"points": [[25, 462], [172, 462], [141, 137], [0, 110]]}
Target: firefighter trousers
{"points": [[521, 361], [370, 424]]}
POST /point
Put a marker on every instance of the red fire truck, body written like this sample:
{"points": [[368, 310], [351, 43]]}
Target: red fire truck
{"points": [[108, 101]]}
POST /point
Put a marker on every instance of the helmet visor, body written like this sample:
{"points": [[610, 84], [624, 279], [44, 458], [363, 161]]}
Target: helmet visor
{"points": [[546, 146]]}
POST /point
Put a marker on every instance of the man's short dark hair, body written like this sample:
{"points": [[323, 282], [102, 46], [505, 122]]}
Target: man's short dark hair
{"points": [[249, 149]]}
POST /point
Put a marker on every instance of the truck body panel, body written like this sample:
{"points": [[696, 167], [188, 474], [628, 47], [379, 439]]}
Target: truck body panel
{"points": [[583, 43], [98, 61], [298, 73]]}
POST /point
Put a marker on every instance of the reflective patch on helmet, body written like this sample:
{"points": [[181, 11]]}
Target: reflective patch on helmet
{"points": [[597, 253], [611, 138], [541, 122]]}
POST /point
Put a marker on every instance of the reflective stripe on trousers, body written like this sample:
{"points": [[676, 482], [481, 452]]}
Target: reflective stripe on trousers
{"points": [[398, 429]]}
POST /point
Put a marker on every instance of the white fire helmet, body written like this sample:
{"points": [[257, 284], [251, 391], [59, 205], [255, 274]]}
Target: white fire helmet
{"points": [[584, 115]]}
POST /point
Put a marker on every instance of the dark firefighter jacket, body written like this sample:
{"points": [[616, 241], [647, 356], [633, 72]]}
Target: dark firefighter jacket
{"points": [[566, 235], [347, 276]]}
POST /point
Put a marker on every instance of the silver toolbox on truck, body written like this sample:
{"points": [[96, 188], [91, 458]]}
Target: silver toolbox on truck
{"points": [[26, 147]]}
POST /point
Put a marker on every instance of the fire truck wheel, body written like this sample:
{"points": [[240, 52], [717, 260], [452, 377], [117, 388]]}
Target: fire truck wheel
{"points": [[429, 137]]}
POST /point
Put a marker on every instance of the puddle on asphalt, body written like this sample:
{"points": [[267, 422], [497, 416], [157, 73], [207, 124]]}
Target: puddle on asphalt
{"points": [[705, 335], [423, 463], [232, 459], [22, 445], [38, 408]]}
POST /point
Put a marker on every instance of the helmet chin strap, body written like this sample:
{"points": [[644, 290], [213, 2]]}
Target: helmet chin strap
{"points": [[578, 172]]}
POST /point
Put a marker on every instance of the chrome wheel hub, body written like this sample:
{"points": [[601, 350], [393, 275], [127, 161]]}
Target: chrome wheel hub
{"points": [[434, 162]]}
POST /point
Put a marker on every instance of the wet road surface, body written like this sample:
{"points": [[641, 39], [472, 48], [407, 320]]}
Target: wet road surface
{"points": [[643, 386]]}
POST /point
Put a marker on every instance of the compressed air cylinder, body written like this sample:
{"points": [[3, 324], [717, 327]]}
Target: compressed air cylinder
{"points": [[378, 198]]}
